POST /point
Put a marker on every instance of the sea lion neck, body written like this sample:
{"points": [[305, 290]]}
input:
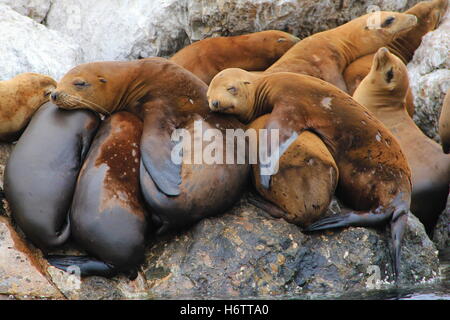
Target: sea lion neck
{"points": [[145, 88], [262, 102]]}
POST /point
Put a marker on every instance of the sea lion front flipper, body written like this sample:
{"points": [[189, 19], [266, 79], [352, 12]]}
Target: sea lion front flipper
{"points": [[156, 149]]}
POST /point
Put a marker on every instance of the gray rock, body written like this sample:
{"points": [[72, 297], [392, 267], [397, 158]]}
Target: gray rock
{"points": [[243, 254], [124, 30], [429, 73], [28, 46], [35, 9], [22, 271], [441, 236]]}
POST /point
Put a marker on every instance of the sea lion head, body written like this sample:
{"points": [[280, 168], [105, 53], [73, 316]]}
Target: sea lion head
{"points": [[29, 83], [232, 91], [429, 13], [388, 25], [97, 86], [387, 82], [389, 73]]}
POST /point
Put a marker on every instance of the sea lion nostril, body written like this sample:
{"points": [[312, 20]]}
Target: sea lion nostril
{"points": [[216, 104], [54, 95]]}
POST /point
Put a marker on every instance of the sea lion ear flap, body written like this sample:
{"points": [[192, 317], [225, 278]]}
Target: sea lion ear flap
{"points": [[156, 150], [381, 58]]}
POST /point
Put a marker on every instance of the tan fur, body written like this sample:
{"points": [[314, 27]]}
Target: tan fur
{"points": [[305, 198], [386, 100], [252, 52], [428, 14], [325, 55], [21, 96]]}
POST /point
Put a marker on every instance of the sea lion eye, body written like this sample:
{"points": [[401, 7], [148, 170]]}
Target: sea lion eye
{"points": [[232, 90], [388, 22], [102, 80], [389, 75], [81, 83]]}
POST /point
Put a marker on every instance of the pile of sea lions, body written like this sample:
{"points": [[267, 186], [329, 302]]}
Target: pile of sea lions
{"points": [[95, 162]]}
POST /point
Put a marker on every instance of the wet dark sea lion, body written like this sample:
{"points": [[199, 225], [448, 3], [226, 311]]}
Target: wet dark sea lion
{"points": [[383, 92], [107, 218], [41, 172], [166, 97], [252, 52], [374, 176]]}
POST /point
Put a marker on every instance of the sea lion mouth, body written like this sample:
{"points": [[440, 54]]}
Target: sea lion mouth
{"points": [[70, 102]]}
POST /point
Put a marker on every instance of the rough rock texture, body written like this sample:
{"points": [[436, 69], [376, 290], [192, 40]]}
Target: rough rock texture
{"points": [[441, 236], [429, 73], [124, 30], [35, 9], [28, 46], [21, 272], [245, 254]]}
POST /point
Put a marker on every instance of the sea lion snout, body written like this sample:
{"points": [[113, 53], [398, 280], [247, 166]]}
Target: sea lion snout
{"points": [[54, 95], [215, 104]]}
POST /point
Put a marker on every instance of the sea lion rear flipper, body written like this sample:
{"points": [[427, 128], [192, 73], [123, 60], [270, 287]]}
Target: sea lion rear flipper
{"points": [[82, 266], [397, 213], [156, 150]]}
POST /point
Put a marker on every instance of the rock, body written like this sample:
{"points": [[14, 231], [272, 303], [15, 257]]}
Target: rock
{"points": [[441, 236], [429, 73], [21, 271], [28, 46], [35, 9], [124, 30], [243, 254]]}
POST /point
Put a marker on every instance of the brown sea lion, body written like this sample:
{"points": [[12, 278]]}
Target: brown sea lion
{"points": [[444, 123], [325, 55], [383, 92], [42, 170], [21, 96], [107, 218], [304, 199], [429, 14], [374, 176], [252, 52], [166, 97]]}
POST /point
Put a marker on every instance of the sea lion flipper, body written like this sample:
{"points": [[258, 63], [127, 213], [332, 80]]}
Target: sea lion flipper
{"points": [[156, 150], [281, 139], [82, 266]]}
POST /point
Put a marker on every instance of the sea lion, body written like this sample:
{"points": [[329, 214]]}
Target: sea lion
{"points": [[374, 176], [41, 172], [429, 14], [21, 96], [107, 217], [252, 52], [444, 125], [325, 55], [383, 92], [166, 97], [304, 199]]}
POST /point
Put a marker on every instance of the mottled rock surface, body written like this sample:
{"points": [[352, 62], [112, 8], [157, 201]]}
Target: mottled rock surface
{"points": [[441, 236], [28, 46], [123, 30], [429, 73], [35, 9], [21, 270], [245, 254]]}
